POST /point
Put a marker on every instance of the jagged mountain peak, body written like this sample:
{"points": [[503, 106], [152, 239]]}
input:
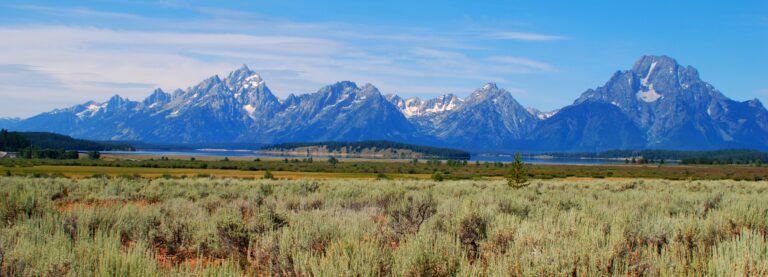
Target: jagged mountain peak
{"points": [[207, 84], [245, 78], [651, 81], [244, 67], [331, 93], [671, 104], [647, 62], [655, 103], [369, 90], [157, 98], [116, 100], [343, 86], [649, 65], [489, 91], [490, 86], [665, 73], [416, 107]]}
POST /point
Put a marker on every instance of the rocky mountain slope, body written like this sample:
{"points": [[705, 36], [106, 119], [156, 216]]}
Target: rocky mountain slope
{"points": [[656, 104], [675, 109]]}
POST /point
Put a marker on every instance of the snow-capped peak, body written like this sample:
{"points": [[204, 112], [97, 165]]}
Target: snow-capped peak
{"points": [[414, 106], [90, 110], [490, 86], [254, 80], [541, 115]]}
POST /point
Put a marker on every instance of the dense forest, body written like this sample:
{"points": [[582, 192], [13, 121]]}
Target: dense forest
{"points": [[44, 140], [58, 154], [725, 156], [39, 145], [12, 141], [361, 145]]}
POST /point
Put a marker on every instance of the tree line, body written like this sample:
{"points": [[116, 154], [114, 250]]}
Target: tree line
{"points": [[724, 156], [13, 141], [376, 144], [19, 142]]}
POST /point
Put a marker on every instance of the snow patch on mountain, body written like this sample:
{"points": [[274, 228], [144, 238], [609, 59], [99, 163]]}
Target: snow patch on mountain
{"points": [[650, 95], [253, 81], [648, 75], [416, 107], [541, 115], [250, 109]]}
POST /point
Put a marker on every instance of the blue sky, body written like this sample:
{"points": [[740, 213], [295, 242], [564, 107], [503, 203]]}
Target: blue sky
{"points": [[59, 53]]}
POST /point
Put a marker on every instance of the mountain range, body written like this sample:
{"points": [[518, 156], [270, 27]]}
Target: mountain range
{"points": [[656, 104]]}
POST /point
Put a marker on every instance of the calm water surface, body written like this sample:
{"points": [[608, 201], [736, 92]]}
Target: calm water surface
{"points": [[256, 154]]}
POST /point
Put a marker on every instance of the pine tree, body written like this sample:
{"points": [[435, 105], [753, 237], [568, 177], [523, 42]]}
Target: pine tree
{"points": [[333, 161], [517, 177]]}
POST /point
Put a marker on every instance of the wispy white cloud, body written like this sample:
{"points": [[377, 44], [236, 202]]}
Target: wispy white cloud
{"points": [[92, 63], [525, 36], [75, 12], [526, 63]]}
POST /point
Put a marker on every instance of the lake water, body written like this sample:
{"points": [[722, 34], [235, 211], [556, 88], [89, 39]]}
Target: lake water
{"points": [[255, 154]]}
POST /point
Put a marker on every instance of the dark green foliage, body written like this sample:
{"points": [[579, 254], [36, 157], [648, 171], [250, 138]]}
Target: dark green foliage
{"points": [[268, 175], [518, 176], [13, 141], [56, 141], [34, 153], [333, 160], [434, 162], [94, 155], [438, 177], [456, 163]]}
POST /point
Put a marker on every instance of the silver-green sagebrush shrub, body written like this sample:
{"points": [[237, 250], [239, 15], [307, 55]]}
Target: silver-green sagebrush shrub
{"points": [[229, 227]]}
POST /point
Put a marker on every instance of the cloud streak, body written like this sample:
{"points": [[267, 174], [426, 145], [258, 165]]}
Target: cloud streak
{"points": [[521, 36], [74, 64], [524, 63]]}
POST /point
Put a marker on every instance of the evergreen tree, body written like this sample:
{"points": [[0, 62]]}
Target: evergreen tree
{"points": [[94, 155], [517, 177], [333, 160]]}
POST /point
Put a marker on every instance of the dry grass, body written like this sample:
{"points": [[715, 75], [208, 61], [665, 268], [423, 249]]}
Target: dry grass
{"points": [[90, 171]]}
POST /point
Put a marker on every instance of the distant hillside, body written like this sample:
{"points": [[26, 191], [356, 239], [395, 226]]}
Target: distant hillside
{"points": [[370, 149], [44, 140], [8, 123]]}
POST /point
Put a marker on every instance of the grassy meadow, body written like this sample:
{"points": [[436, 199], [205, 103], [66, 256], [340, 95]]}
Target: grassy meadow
{"points": [[357, 227], [250, 167]]}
